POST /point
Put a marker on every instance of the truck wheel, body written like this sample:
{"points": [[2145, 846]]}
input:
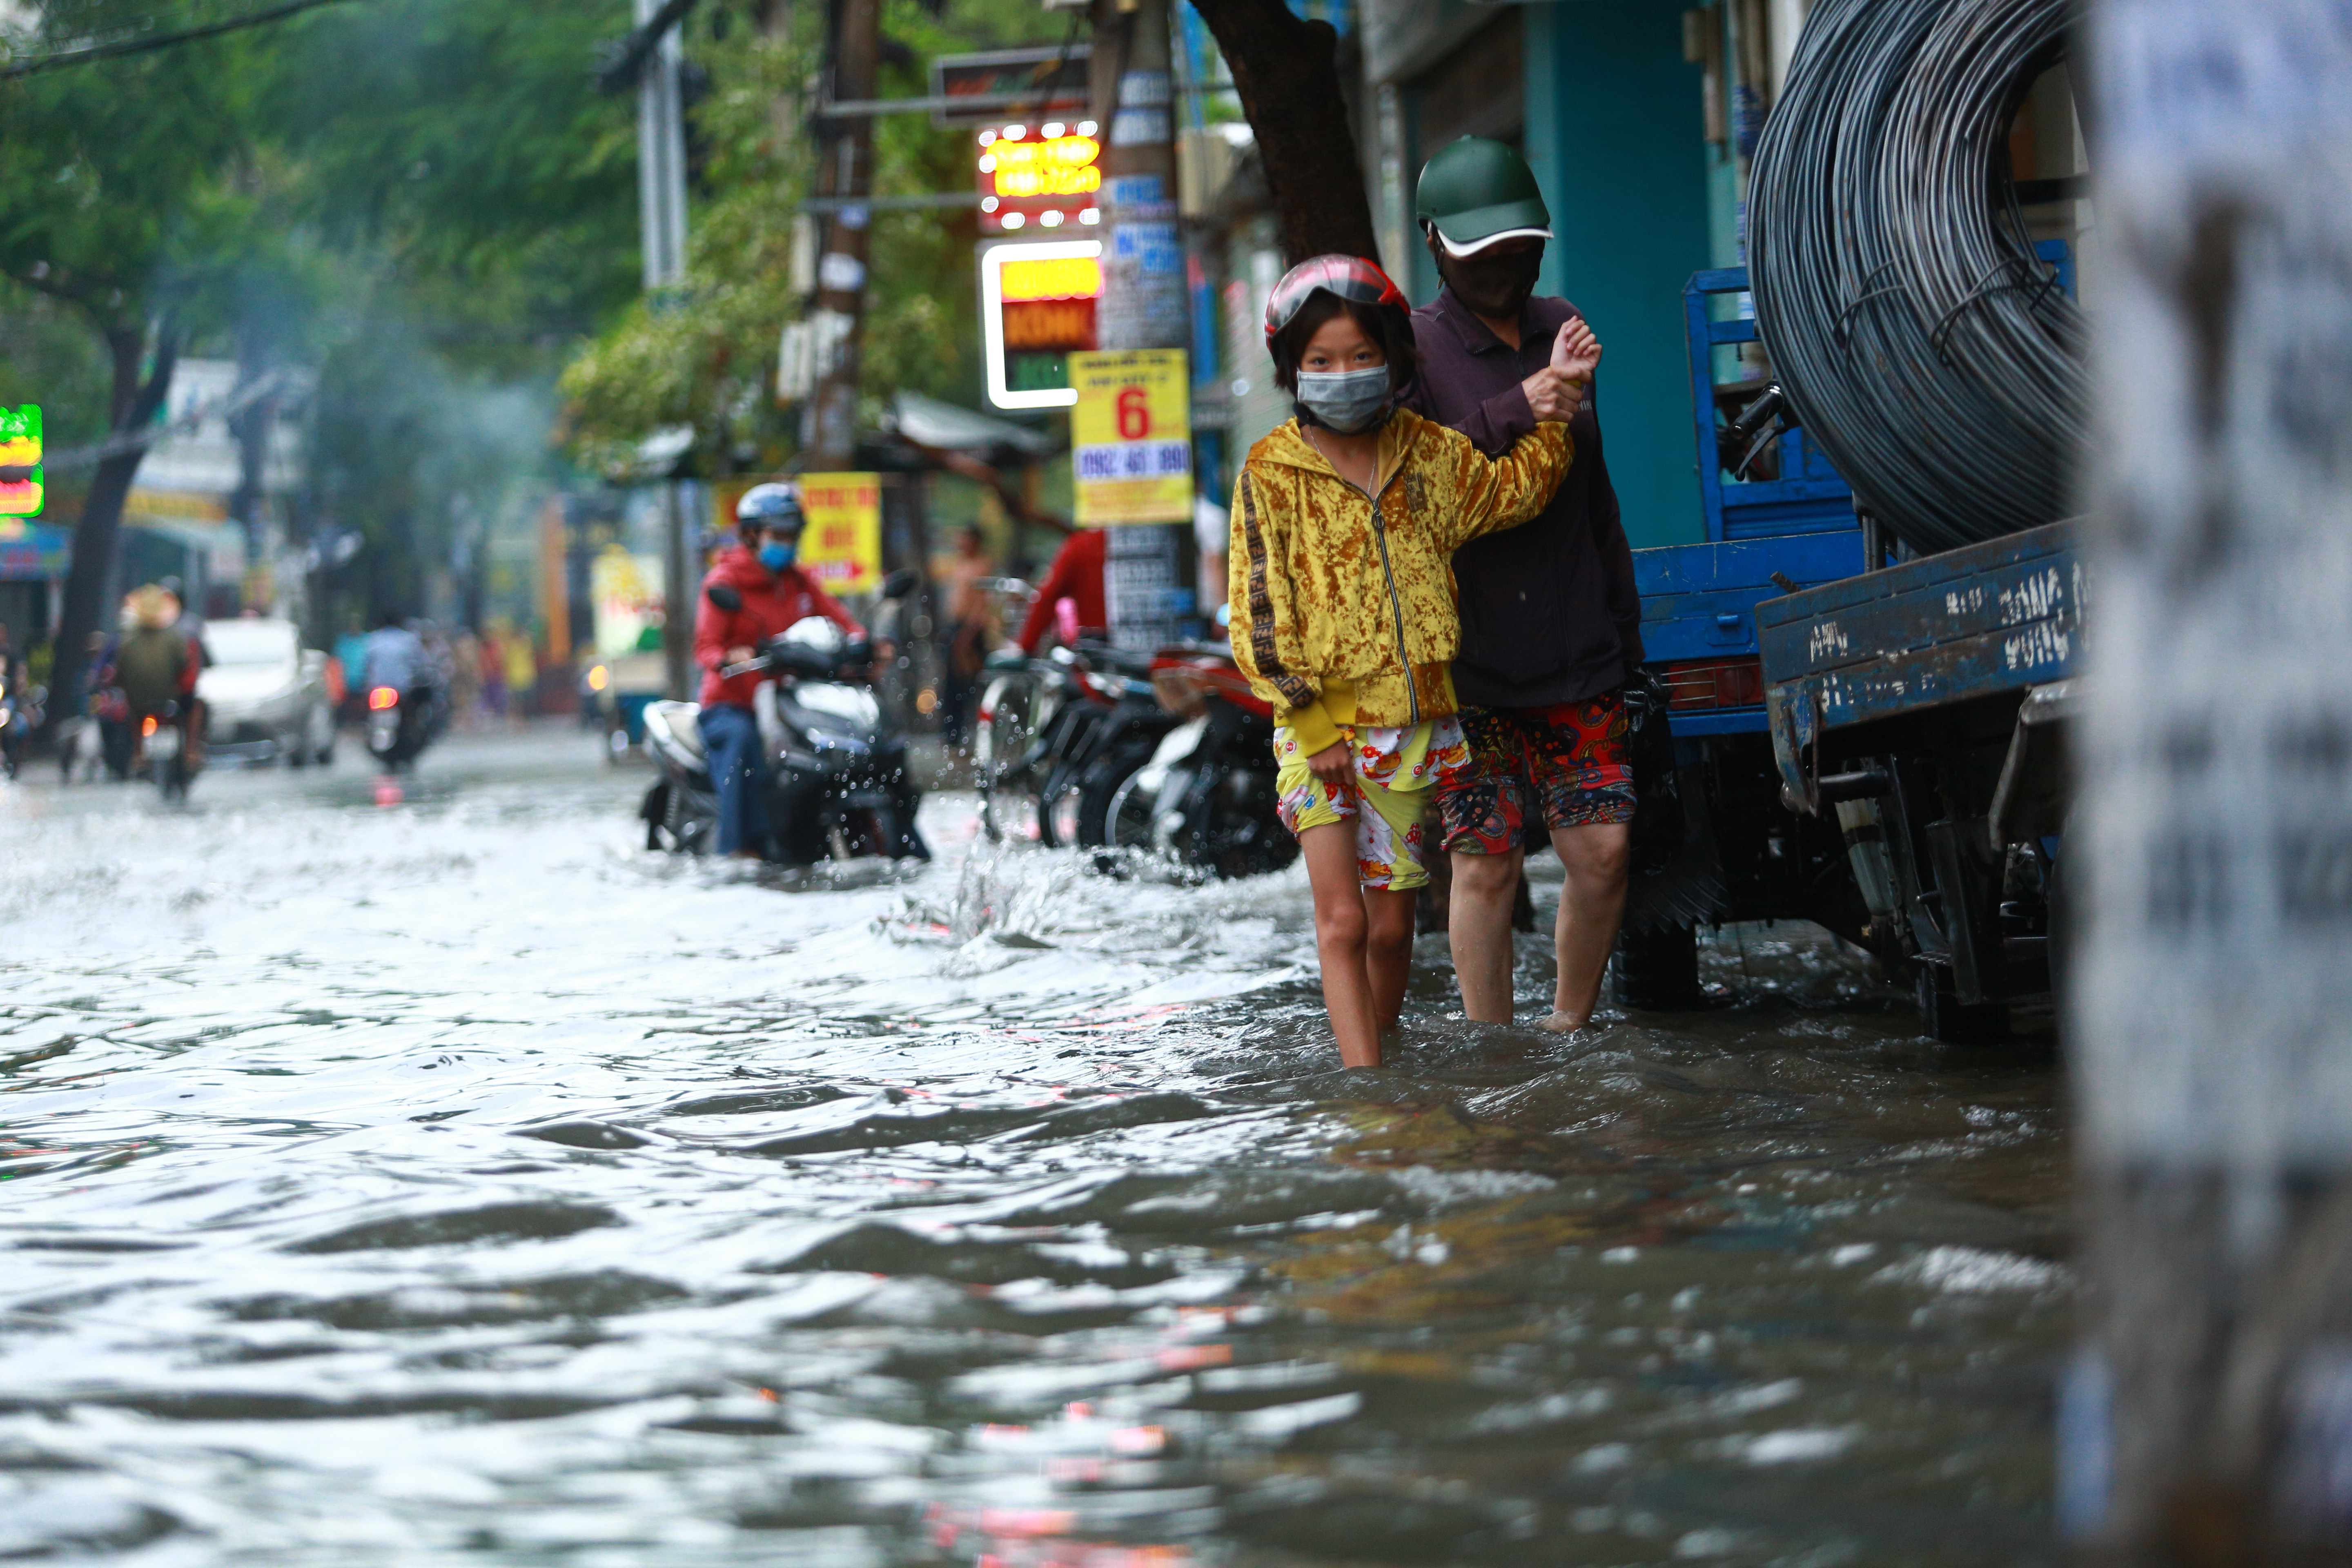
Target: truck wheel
{"points": [[1946, 1018], [1657, 969]]}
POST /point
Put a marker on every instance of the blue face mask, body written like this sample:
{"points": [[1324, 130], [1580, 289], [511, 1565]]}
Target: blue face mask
{"points": [[775, 557], [1347, 401]]}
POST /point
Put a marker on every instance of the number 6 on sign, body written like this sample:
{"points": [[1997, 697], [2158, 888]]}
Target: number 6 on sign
{"points": [[1131, 437], [1134, 413]]}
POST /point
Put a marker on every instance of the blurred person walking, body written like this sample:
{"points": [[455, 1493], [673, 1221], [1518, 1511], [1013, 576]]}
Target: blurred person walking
{"points": [[970, 629]]}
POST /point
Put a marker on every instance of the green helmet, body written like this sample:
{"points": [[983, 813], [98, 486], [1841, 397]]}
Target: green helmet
{"points": [[1476, 192]]}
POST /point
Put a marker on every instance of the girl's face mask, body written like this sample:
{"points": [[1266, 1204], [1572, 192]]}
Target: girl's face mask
{"points": [[776, 554], [1348, 401]]}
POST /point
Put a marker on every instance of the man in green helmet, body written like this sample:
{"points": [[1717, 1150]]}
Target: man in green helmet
{"points": [[1551, 623]]}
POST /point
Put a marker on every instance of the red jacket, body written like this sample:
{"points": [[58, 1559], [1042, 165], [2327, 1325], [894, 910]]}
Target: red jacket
{"points": [[1076, 574], [772, 603]]}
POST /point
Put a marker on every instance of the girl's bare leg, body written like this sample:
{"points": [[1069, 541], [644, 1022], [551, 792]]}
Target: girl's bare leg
{"points": [[1387, 949], [1341, 932]]}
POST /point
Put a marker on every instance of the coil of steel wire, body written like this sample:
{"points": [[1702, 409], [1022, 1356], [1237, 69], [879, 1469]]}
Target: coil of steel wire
{"points": [[1921, 340]]}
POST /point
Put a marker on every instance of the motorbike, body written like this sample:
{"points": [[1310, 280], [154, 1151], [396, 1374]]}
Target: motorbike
{"points": [[163, 747], [401, 725], [837, 781], [1207, 795], [20, 715]]}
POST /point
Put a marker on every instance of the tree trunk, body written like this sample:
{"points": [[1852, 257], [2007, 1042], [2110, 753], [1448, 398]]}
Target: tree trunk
{"points": [[1285, 71], [134, 405]]}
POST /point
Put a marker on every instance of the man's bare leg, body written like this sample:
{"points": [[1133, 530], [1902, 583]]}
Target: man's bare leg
{"points": [[1597, 856], [1478, 930]]}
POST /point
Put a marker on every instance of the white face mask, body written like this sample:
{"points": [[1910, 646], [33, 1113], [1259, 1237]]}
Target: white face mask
{"points": [[1348, 401]]}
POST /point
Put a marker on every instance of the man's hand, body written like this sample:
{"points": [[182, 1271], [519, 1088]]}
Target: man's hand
{"points": [[1333, 765], [740, 655], [1564, 386]]}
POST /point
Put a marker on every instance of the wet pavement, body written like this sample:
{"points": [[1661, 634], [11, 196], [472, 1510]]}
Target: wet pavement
{"points": [[455, 1182]]}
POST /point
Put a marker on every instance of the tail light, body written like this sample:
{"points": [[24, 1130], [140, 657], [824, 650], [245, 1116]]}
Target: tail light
{"points": [[147, 725], [1715, 683], [384, 697]]}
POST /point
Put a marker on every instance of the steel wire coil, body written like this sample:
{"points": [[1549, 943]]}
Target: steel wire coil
{"points": [[1921, 340]]}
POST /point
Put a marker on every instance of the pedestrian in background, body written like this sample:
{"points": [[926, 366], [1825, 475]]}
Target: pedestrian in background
{"points": [[970, 630], [1551, 621], [1344, 520], [465, 679]]}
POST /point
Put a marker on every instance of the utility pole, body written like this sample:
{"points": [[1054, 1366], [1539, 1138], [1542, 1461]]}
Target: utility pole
{"points": [[845, 172], [661, 224], [2207, 1415], [1143, 304]]}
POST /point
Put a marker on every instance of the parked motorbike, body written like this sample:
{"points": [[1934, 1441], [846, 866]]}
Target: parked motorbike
{"points": [[1034, 714], [837, 781], [1207, 796], [401, 725], [20, 715]]}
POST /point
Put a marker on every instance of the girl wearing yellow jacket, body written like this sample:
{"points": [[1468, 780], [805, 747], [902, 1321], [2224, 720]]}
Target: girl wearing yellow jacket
{"points": [[1345, 521]]}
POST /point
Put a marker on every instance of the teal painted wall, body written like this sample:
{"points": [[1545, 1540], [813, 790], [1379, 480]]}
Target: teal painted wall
{"points": [[1616, 134]]}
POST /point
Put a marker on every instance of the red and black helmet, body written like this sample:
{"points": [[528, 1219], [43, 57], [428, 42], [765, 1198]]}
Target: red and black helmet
{"points": [[1347, 278]]}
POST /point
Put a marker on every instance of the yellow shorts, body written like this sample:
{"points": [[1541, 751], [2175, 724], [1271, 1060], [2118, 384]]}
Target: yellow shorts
{"points": [[1395, 771]]}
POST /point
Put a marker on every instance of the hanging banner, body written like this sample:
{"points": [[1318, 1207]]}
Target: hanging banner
{"points": [[20, 448], [1131, 437], [842, 550]]}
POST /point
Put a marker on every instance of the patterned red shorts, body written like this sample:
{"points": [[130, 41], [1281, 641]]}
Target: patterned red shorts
{"points": [[1570, 759]]}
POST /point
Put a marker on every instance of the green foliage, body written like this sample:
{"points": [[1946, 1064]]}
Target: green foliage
{"points": [[706, 357]]}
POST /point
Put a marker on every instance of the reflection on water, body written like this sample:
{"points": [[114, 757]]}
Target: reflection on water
{"points": [[453, 1182]]}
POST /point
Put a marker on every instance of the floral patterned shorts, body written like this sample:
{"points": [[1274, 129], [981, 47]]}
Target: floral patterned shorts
{"points": [[1395, 770], [1570, 760]]}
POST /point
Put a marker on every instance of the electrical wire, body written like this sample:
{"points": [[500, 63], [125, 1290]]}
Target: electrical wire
{"points": [[1920, 339], [61, 58]]}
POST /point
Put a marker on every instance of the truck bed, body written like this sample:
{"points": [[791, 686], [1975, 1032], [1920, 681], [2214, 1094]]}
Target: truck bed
{"points": [[1933, 633]]}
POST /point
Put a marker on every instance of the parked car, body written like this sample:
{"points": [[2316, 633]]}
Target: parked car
{"points": [[265, 694]]}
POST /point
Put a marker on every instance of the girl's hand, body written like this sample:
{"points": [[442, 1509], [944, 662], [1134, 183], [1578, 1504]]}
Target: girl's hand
{"points": [[1559, 391], [1332, 765]]}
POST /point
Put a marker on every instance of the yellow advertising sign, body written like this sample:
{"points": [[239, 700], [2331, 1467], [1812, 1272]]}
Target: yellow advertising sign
{"points": [[1131, 437], [841, 548]]}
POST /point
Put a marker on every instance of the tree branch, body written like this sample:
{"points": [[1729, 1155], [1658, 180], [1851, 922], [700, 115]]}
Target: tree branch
{"points": [[1284, 70], [58, 61]]}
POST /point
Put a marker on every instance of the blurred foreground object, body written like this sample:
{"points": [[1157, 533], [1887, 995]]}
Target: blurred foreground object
{"points": [[2208, 1415]]}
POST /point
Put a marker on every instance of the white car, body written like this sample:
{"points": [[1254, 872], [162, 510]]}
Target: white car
{"points": [[265, 694]]}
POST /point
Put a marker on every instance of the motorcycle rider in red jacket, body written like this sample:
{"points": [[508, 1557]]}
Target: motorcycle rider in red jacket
{"points": [[774, 593]]}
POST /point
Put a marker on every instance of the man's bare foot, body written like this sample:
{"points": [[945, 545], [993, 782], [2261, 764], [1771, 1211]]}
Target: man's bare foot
{"points": [[1562, 1023]]}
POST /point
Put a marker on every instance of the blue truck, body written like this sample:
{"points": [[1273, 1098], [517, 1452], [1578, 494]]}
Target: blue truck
{"points": [[1874, 744]]}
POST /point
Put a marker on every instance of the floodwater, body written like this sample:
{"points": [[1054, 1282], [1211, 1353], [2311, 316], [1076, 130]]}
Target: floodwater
{"points": [[455, 1183]]}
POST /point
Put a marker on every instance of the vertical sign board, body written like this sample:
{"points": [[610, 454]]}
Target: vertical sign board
{"points": [[20, 447], [842, 548], [2211, 984], [1131, 437]]}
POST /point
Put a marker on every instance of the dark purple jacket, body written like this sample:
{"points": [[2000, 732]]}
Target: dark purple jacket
{"points": [[1550, 613]]}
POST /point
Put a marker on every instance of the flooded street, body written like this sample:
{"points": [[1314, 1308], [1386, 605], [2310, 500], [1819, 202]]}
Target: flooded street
{"points": [[456, 1181]]}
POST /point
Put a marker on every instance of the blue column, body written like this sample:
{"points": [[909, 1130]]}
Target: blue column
{"points": [[1616, 134]]}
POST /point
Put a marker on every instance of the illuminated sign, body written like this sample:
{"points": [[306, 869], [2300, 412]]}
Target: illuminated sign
{"points": [[1037, 308], [20, 448], [1041, 176]]}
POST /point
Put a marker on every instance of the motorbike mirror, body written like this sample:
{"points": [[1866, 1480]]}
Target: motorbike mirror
{"points": [[901, 583], [725, 597], [1224, 616]]}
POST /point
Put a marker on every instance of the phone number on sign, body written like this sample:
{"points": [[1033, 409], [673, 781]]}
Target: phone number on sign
{"points": [[1134, 461]]}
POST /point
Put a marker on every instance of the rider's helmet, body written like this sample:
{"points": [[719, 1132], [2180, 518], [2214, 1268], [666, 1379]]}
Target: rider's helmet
{"points": [[772, 505], [1350, 283]]}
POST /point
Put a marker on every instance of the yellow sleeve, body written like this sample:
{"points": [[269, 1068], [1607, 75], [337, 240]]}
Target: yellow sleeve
{"points": [[1317, 725], [1491, 494], [1264, 630]]}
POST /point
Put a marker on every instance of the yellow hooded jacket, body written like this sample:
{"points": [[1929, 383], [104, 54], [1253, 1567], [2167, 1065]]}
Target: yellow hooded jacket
{"points": [[1343, 602]]}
